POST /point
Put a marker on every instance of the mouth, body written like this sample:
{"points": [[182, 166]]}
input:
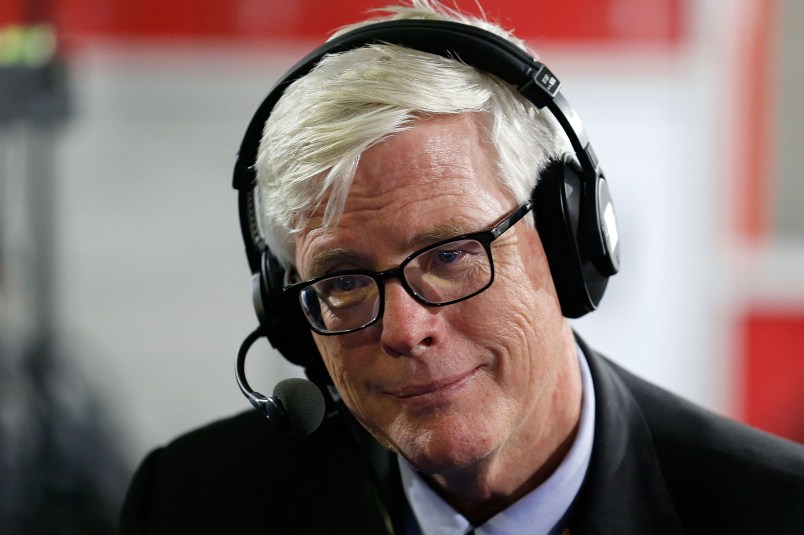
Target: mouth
{"points": [[440, 387]]}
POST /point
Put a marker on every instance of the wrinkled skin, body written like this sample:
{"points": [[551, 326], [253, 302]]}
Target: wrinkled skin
{"points": [[482, 396]]}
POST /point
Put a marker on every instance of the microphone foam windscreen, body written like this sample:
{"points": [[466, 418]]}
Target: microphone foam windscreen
{"points": [[303, 404]]}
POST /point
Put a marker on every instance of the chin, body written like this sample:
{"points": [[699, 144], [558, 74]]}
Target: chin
{"points": [[441, 449]]}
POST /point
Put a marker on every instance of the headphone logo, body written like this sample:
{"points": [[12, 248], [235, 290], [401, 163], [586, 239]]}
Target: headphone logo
{"points": [[547, 81]]}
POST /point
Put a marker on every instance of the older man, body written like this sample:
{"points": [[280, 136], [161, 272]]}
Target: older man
{"points": [[405, 207]]}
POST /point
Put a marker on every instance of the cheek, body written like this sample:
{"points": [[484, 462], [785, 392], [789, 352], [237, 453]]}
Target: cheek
{"points": [[524, 290], [335, 365], [529, 275], [354, 372], [346, 368], [522, 311]]}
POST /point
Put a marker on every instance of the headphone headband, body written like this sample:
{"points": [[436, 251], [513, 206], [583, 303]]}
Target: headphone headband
{"points": [[474, 46]]}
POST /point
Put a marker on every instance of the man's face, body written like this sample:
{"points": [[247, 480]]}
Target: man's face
{"points": [[448, 386]]}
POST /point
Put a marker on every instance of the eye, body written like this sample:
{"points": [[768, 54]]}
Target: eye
{"points": [[344, 284], [344, 291], [448, 256], [451, 255]]}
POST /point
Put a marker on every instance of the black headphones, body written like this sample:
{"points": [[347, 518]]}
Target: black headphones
{"points": [[573, 209]]}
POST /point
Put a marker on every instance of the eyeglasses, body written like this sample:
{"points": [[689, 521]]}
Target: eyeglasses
{"points": [[441, 274]]}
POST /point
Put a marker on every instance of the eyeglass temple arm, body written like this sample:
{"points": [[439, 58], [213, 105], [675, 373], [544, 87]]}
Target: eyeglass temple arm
{"points": [[509, 221]]}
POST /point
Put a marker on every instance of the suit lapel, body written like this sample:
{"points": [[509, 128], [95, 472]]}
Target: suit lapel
{"points": [[624, 490], [351, 486]]}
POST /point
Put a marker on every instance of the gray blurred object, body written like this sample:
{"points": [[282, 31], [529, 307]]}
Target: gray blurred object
{"points": [[60, 467]]}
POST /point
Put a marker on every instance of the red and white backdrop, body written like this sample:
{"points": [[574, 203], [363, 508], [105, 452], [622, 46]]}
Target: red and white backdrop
{"points": [[679, 100]]}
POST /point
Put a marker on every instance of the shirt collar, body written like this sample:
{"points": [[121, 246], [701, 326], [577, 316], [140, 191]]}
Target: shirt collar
{"points": [[541, 511]]}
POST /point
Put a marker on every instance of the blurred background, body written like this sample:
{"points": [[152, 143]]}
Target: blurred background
{"points": [[124, 291]]}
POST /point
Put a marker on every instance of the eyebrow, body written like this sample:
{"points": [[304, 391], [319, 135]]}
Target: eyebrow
{"points": [[440, 232], [322, 260]]}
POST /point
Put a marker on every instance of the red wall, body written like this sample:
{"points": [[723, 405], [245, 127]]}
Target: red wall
{"points": [[658, 21], [773, 371]]}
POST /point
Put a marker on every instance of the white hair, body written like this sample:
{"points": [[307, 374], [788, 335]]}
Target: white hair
{"points": [[324, 121]]}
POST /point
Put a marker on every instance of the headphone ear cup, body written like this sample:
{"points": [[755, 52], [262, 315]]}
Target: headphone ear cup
{"points": [[600, 233], [559, 201], [281, 318]]}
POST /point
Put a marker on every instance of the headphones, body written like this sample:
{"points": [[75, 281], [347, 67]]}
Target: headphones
{"points": [[573, 209]]}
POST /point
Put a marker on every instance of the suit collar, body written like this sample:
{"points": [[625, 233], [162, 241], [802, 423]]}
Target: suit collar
{"points": [[624, 490]]}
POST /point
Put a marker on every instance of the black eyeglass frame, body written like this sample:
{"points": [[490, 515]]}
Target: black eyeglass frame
{"points": [[484, 237]]}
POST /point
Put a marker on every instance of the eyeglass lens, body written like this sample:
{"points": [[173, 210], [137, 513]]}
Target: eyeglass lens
{"points": [[439, 275]]}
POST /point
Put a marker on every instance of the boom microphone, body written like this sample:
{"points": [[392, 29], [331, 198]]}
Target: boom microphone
{"points": [[303, 404], [297, 406]]}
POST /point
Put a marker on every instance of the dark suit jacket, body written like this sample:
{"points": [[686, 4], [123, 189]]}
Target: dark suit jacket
{"points": [[659, 465]]}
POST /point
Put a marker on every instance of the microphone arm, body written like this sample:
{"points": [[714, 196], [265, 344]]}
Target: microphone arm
{"points": [[270, 407], [306, 409]]}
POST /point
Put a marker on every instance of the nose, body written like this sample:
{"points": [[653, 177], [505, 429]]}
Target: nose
{"points": [[408, 327]]}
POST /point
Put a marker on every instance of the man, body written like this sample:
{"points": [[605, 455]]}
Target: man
{"points": [[397, 197]]}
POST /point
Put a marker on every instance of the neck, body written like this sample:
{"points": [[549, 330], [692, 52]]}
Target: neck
{"points": [[481, 490]]}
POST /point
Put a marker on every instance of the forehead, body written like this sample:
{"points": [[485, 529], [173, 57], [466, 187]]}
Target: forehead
{"points": [[435, 153], [438, 177]]}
